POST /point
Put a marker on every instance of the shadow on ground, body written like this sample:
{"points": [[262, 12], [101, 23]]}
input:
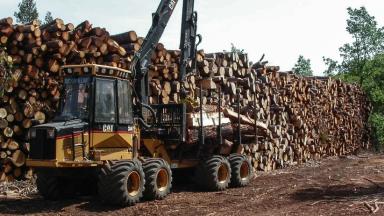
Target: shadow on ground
{"points": [[338, 192]]}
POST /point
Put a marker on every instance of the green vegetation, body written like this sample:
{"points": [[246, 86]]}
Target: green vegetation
{"points": [[234, 49], [303, 67], [48, 17], [27, 12], [362, 62]]}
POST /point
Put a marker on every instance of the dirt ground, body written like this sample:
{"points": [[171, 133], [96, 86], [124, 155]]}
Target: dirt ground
{"points": [[352, 185]]}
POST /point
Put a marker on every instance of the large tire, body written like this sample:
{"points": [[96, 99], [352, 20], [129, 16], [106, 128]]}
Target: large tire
{"points": [[214, 173], [53, 187], [121, 183], [242, 171], [48, 186], [88, 186], [158, 179]]}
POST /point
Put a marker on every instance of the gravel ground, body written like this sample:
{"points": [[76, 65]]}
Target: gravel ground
{"points": [[352, 185]]}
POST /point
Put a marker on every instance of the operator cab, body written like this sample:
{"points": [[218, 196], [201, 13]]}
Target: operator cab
{"points": [[95, 116], [99, 95], [110, 89]]}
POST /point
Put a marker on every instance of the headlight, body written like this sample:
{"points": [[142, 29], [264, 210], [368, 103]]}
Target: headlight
{"points": [[32, 133], [51, 133]]}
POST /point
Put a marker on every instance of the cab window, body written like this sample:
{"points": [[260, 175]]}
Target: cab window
{"points": [[125, 102], [75, 100], [105, 101]]}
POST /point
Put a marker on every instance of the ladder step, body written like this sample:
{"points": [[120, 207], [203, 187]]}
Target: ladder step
{"points": [[79, 144]]}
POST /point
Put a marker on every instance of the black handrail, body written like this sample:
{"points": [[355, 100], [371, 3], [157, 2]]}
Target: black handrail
{"points": [[238, 118], [219, 135]]}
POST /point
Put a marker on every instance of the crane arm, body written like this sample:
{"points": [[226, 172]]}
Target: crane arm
{"points": [[141, 59], [160, 20], [188, 37], [188, 45]]}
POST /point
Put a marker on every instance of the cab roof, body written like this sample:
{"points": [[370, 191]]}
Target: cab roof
{"points": [[95, 70]]}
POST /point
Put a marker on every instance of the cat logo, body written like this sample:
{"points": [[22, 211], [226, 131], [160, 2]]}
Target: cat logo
{"points": [[172, 4], [107, 128]]}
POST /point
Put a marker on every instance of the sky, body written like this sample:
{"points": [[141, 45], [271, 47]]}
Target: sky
{"points": [[280, 29]]}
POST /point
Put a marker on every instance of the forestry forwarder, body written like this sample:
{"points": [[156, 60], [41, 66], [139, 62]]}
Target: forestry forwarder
{"points": [[101, 140]]}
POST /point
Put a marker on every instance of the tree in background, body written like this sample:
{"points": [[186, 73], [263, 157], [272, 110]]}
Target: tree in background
{"points": [[303, 67], [234, 49], [48, 17], [368, 41], [332, 67], [362, 62], [27, 12]]}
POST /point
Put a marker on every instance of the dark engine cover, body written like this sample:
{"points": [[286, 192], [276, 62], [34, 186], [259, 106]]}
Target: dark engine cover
{"points": [[42, 147]]}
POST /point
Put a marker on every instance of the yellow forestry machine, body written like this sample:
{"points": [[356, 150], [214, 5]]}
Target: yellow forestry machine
{"points": [[101, 143]]}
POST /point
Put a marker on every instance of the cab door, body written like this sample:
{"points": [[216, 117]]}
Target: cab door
{"points": [[112, 116]]}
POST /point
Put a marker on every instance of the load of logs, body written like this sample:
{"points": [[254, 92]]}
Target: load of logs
{"points": [[285, 118]]}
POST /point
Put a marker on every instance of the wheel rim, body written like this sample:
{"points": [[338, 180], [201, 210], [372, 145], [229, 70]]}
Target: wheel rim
{"points": [[244, 170], [223, 173], [162, 180], [133, 184]]}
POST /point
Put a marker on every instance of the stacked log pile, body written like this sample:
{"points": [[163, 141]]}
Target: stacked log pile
{"points": [[307, 118], [164, 85], [32, 93], [284, 118]]}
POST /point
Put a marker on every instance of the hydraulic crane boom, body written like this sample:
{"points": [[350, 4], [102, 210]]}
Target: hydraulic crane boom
{"points": [[188, 36], [187, 43]]}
